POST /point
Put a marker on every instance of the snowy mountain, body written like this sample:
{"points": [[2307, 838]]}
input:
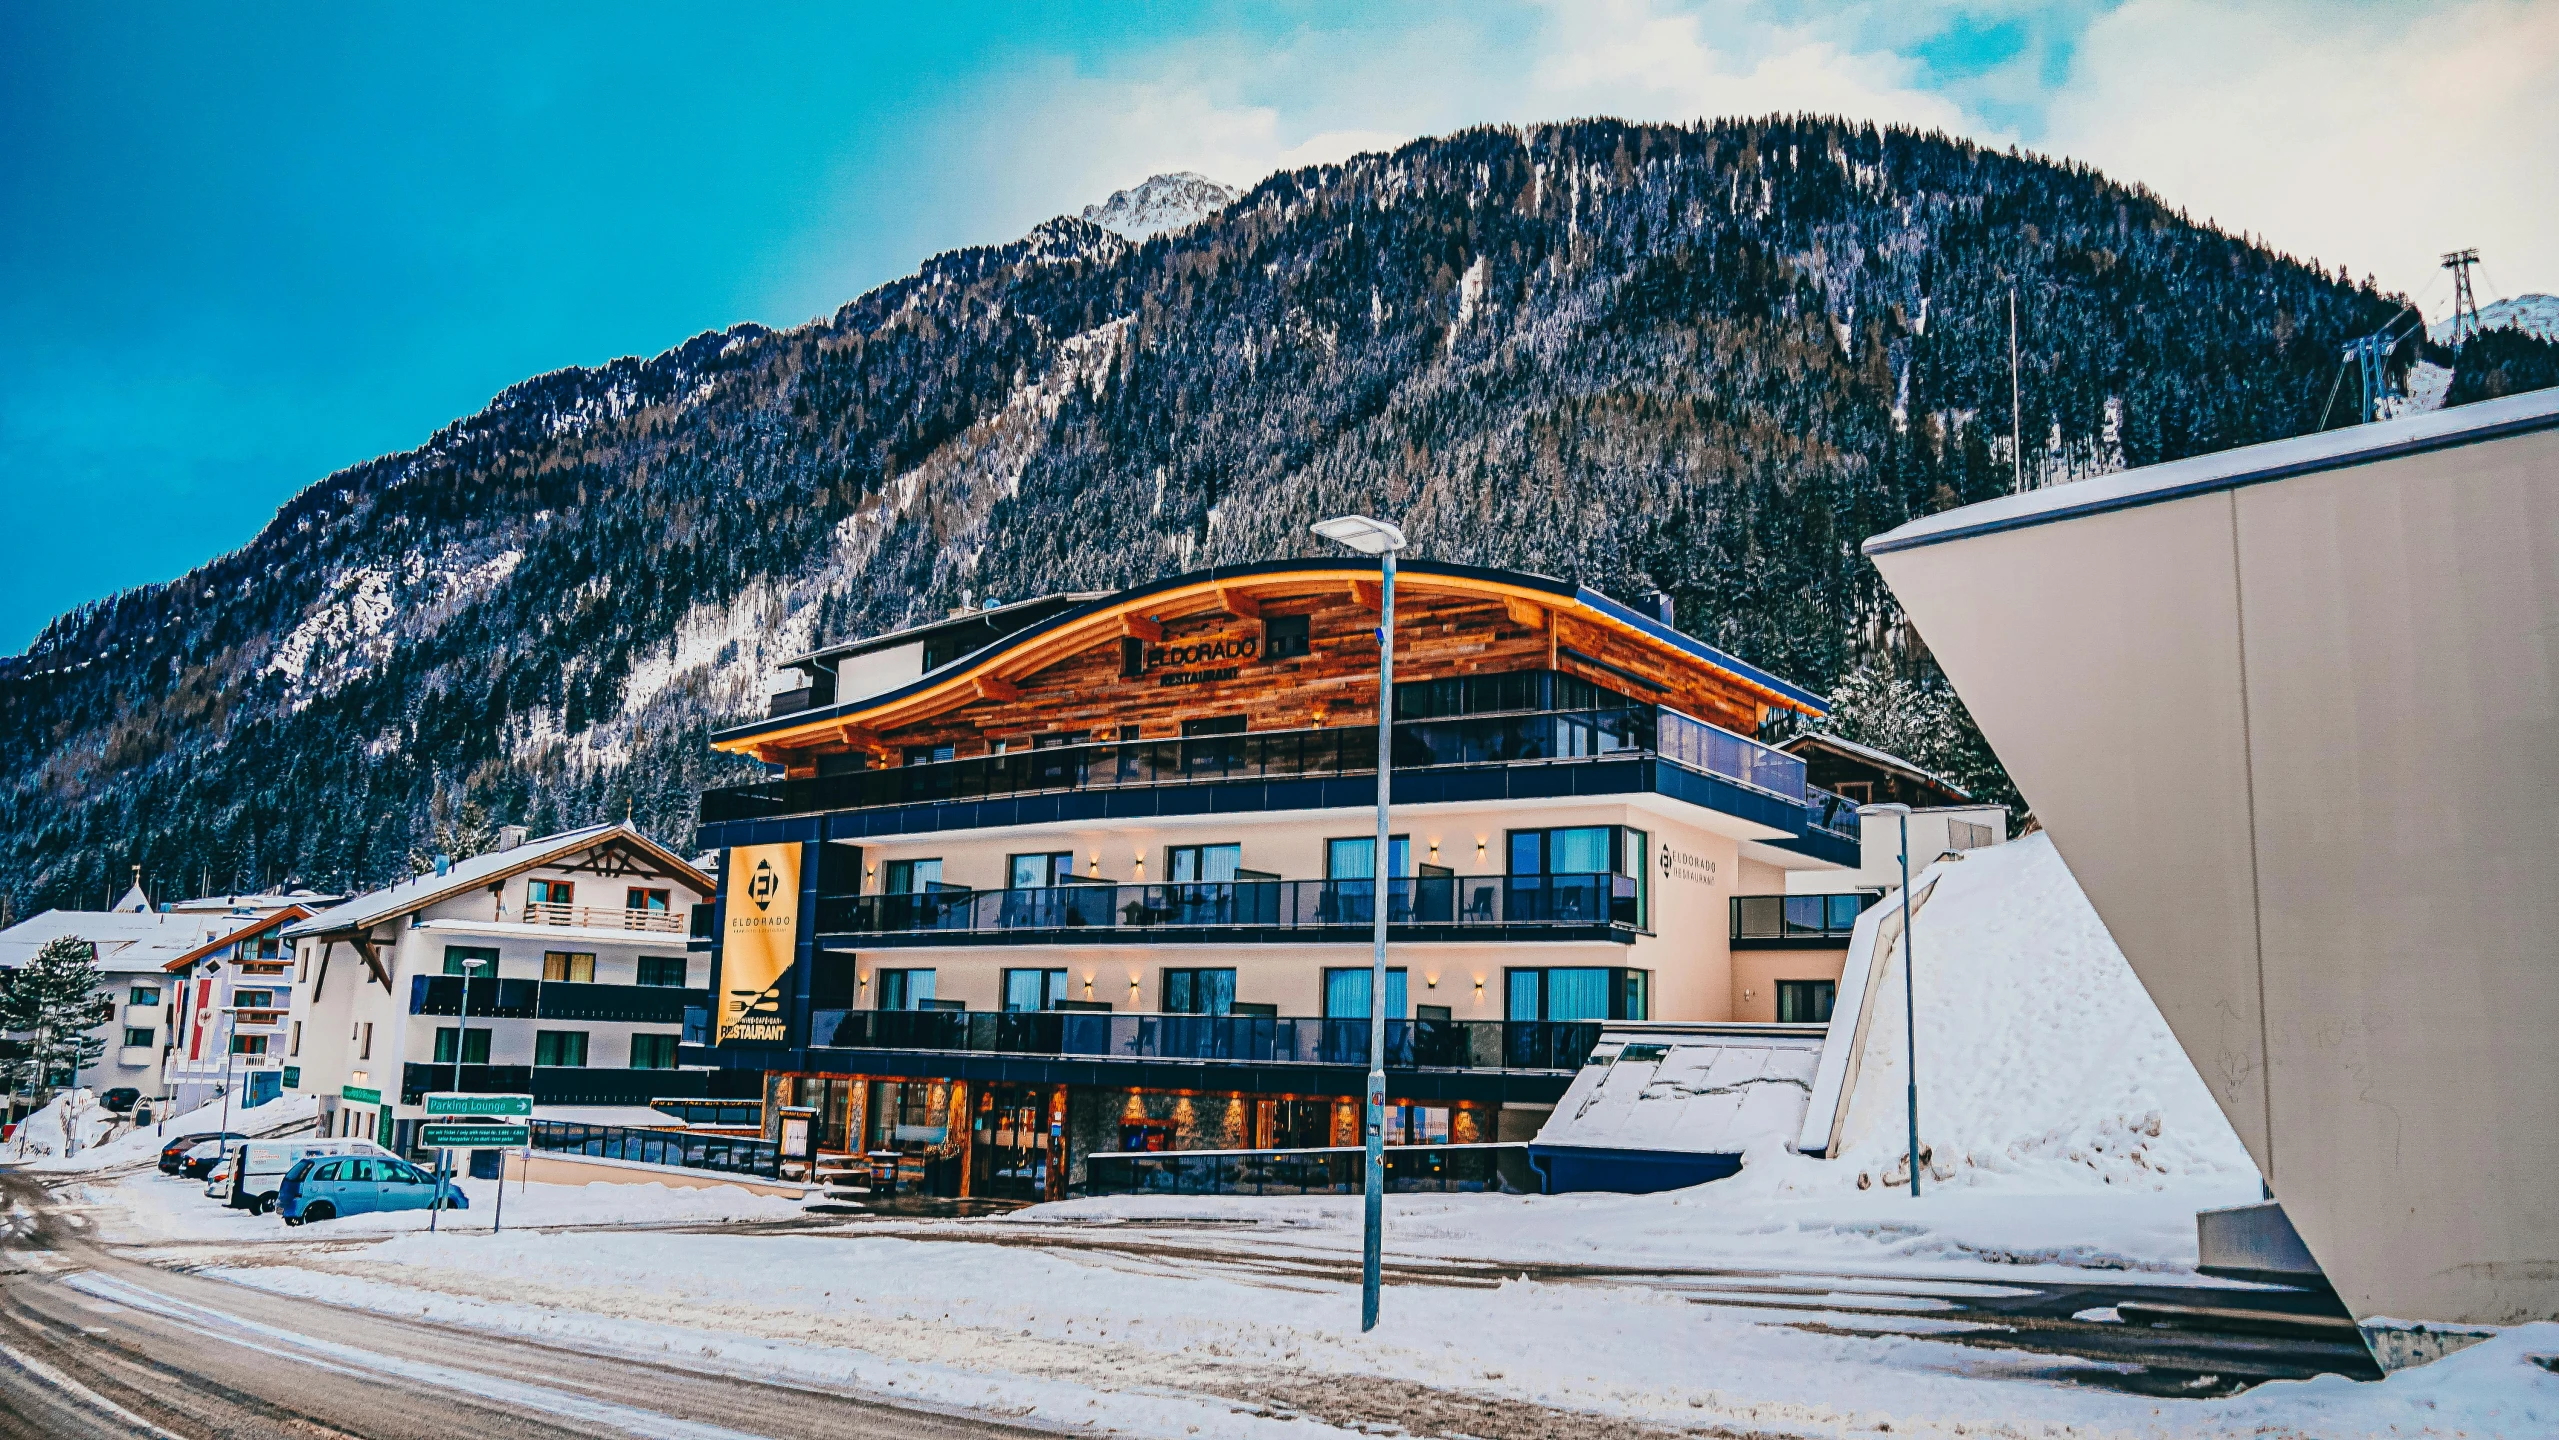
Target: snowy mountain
{"points": [[1694, 360], [2534, 315], [1160, 204]]}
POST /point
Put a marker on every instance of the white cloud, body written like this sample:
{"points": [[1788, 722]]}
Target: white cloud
{"points": [[2376, 140]]}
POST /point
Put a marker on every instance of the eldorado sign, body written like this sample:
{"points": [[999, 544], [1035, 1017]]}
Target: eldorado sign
{"points": [[761, 929]]}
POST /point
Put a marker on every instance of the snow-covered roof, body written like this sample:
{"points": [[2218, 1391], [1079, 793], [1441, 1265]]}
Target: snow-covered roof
{"points": [[134, 900], [416, 893], [1688, 1089], [241, 929], [266, 904], [1881, 759], [125, 940]]}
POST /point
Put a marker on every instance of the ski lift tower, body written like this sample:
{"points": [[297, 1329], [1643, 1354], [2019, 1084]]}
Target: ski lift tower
{"points": [[2465, 301]]}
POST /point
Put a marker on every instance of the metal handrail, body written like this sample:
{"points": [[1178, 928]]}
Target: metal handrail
{"points": [[1457, 900], [1521, 1045]]}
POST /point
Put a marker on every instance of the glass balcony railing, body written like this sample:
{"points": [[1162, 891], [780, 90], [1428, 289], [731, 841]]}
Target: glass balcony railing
{"points": [[1830, 814], [493, 999], [1539, 737], [1245, 1039], [1460, 900]]}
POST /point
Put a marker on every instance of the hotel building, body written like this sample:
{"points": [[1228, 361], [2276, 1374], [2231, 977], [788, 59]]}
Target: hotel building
{"points": [[1095, 873]]}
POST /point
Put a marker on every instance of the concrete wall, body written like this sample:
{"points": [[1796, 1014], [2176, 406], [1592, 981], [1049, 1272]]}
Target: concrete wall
{"points": [[1756, 973], [2299, 742]]}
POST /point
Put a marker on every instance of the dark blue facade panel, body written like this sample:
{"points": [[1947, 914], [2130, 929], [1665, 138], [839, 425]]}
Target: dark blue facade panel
{"points": [[1568, 1168]]}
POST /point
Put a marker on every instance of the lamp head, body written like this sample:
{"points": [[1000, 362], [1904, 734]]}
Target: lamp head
{"points": [[1361, 533]]}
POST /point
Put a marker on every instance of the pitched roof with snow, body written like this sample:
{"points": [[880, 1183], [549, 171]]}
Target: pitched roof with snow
{"points": [[420, 891], [1880, 759], [125, 940]]}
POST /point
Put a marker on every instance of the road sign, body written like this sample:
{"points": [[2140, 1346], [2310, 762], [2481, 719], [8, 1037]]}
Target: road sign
{"points": [[360, 1094], [292, 1077], [447, 1102], [468, 1135]]}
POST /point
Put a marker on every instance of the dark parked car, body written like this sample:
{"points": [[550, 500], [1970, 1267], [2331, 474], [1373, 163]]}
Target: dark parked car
{"points": [[120, 1099], [173, 1154]]}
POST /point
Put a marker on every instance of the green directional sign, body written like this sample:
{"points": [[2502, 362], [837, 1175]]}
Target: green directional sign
{"points": [[466, 1135], [360, 1094], [447, 1102], [292, 1077]]}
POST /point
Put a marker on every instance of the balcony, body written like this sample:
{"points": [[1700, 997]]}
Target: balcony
{"points": [[1523, 739], [1477, 1045], [1431, 907], [604, 917], [1831, 814], [1811, 920], [493, 999]]}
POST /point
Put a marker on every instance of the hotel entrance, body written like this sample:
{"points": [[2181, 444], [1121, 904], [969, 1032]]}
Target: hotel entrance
{"points": [[1013, 1151]]}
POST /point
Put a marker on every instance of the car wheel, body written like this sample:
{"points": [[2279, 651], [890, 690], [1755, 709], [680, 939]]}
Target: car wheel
{"points": [[319, 1210], [291, 1220], [265, 1206]]}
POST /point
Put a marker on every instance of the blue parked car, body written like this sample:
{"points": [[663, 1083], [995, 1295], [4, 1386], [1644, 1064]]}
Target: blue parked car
{"points": [[324, 1187]]}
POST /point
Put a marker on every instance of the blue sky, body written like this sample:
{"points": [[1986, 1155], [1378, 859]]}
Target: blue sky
{"points": [[245, 246]]}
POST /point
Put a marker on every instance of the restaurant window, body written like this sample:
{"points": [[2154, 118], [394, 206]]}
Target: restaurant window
{"points": [[1034, 872], [475, 1045], [565, 1049], [904, 989], [1202, 864], [1356, 858], [927, 754], [457, 956], [910, 877], [652, 1052], [909, 1114], [637, 898], [550, 892], [666, 970], [1201, 992], [1346, 993], [1284, 637], [1806, 1002], [576, 967], [1026, 990]]}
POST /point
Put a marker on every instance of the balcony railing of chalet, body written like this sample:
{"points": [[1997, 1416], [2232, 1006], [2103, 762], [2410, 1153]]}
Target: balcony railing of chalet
{"points": [[494, 999], [1526, 738], [1798, 917], [1455, 900], [604, 917], [1832, 814], [1251, 1039]]}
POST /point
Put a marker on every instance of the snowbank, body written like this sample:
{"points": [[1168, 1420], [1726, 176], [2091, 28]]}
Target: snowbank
{"points": [[140, 1147], [152, 1208], [2042, 1061]]}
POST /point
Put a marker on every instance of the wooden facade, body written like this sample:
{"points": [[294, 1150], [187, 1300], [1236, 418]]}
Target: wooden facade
{"points": [[1203, 649]]}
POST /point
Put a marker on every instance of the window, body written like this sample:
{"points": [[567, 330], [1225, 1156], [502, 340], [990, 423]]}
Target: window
{"points": [[1346, 993], [637, 898], [248, 1044], [910, 877], [270, 947], [1213, 725], [138, 1036], [563, 1048], [577, 967], [652, 1052], [927, 754], [1586, 872], [1202, 864], [1209, 992], [364, 1051], [1805, 1002], [475, 1045], [253, 1000], [295, 1046], [144, 995], [458, 956], [1032, 872], [662, 970], [1356, 859], [1283, 637], [905, 989], [1584, 850], [1579, 993], [1132, 658], [550, 892], [1033, 989]]}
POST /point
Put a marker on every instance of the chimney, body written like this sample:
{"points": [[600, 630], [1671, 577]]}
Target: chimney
{"points": [[510, 836], [443, 864], [1662, 603]]}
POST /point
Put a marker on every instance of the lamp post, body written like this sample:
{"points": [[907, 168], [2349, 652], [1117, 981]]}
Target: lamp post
{"points": [[1909, 986], [461, 1041], [1378, 538]]}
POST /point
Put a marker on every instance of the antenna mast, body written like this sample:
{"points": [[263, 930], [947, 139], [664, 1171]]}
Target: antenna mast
{"points": [[2465, 301]]}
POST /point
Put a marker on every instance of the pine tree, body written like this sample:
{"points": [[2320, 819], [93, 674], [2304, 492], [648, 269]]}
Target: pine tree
{"points": [[53, 1001]]}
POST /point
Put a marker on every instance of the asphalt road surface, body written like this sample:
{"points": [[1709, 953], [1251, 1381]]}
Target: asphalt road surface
{"points": [[94, 1345]]}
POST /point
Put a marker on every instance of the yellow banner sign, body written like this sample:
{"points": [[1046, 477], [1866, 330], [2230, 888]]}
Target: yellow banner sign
{"points": [[762, 931]]}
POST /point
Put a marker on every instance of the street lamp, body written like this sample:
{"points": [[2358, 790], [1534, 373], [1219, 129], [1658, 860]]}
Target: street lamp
{"points": [[1909, 988], [461, 1042], [1376, 537]]}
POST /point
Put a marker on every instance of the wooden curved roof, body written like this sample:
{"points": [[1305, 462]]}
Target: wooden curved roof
{"points": [[993, 673]]}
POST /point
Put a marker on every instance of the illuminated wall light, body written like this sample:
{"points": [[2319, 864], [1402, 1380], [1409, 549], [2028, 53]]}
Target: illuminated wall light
{"points": [[1095, 870], [1479, 849], [1430, 982]]}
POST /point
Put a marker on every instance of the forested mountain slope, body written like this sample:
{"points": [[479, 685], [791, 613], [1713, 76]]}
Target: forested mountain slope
{"points": [[1703, 360]]}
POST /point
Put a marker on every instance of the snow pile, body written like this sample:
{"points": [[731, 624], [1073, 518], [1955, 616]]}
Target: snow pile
{"points": [[2041, 1058], [158, 1209], [142, 1146]]}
